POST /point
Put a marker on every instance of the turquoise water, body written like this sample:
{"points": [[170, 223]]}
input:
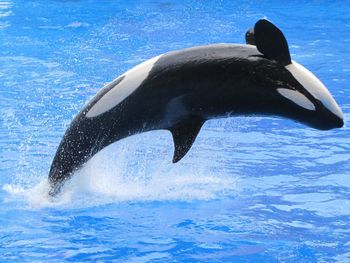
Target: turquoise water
{"points": [[250, 190]]}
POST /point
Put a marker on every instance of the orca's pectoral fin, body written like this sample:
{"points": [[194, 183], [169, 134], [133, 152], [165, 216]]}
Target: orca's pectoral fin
{"points": [[271, 42], [184, 134]]}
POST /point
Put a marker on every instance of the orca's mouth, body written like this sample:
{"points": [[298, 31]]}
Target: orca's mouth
{"points": [[332, 122], [339, 122]]}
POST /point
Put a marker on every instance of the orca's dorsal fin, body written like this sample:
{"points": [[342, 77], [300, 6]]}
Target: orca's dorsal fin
{"points": [[184, 134], [271, 42], [249, 37]]}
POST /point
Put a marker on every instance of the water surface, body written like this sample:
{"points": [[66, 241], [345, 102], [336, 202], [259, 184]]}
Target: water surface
{"points": [[250, 190]]}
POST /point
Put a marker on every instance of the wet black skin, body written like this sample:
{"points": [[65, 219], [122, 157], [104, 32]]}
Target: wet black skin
{"points": [[184, 89]]}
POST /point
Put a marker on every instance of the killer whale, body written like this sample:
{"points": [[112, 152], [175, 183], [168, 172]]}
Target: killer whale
{"points": [[179, 90]]}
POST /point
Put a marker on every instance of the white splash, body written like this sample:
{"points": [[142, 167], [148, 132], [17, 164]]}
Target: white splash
{"points": [[136, 169]]}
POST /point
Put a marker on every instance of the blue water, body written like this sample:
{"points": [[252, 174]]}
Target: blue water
{"points": [[250, 190]]}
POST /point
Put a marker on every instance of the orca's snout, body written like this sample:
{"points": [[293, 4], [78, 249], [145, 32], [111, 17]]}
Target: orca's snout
{"points": [[332, 121], [336, 119], [338, 122]]}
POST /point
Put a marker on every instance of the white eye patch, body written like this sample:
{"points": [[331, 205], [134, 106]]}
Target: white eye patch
{"points": [[316, 88], [132, 80], [297, 98]]}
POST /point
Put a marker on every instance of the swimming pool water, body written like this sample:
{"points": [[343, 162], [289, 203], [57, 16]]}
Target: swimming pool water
{"points": [[250, 190]]}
